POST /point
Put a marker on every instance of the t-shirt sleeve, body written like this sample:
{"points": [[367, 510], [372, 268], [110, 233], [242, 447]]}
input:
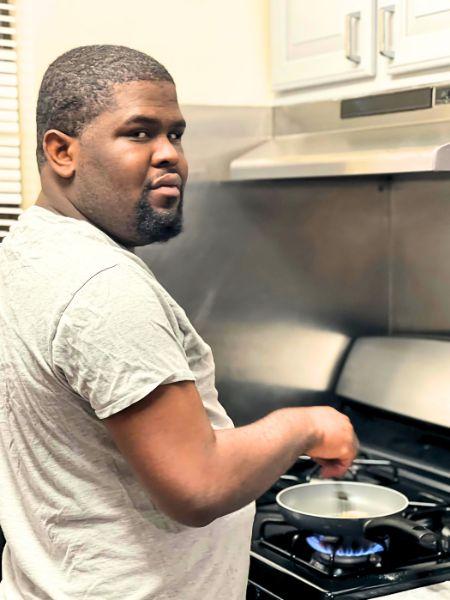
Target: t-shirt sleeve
{"points": [[115, 342]]}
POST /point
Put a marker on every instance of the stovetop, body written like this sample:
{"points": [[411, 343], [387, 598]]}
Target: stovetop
{"points": [[288, 564], [395, 391]]}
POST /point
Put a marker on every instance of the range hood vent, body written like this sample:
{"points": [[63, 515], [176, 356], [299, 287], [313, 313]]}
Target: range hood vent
{"points": [[401, 132]]}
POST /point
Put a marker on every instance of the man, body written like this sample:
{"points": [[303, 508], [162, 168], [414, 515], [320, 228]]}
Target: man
{"points": [[122, 477]]}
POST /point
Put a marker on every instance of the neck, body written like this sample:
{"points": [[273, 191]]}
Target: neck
{"points": [[53, 198]]}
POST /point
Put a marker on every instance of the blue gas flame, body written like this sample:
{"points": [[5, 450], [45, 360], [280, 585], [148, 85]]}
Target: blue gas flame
{"points": [[363, 549]]}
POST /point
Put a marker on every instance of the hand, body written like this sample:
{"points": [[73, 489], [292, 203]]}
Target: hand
{"points": [[334, 444]]}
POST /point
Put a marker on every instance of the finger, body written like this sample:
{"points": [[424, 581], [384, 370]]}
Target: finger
{"points": [[329, 471]]}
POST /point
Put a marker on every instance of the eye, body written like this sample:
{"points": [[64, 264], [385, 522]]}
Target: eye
{"points": [[175, 135], [140, 134]]}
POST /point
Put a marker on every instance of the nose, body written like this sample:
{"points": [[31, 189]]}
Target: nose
{"points": [[164, 152]]}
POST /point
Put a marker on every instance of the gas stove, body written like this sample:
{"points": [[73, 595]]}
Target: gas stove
{"points": [[397, 451], [292, 564]]}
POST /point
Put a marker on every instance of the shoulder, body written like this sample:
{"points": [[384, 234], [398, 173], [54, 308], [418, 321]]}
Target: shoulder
{"points": [[120, 293]]}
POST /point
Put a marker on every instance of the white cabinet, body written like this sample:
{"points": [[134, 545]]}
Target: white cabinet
{"points": [[421, 35], [358, 47], [321, 42]]}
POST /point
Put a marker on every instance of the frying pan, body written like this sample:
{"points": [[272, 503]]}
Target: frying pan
{"points": [[350, 509]]}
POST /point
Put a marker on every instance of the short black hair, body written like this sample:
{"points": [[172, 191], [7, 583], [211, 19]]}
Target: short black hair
{"points": [[78, 86]]}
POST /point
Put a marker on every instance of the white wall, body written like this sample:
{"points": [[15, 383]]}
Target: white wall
{"points": [[216, 50]]}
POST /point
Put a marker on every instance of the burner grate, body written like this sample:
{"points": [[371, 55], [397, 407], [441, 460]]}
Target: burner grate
{"points": [[336, 557], [365, 469], [296, 546]]}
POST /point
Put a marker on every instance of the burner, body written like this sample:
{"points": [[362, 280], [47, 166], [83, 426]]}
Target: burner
{"points": [[344, 552]]}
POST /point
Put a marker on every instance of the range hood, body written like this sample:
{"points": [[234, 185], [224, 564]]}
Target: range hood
{"points": [[400, 132]]}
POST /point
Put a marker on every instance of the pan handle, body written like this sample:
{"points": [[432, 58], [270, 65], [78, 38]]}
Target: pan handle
{"points": [[423, 536]]}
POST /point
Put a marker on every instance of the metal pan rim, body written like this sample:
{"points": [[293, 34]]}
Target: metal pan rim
{"points": [[346, 483]]}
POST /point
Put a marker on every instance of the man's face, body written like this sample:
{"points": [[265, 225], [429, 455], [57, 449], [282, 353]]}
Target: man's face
{"points": [[131, 170]]}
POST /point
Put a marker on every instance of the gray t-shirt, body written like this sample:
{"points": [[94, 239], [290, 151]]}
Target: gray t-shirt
{"points": [[85, 331]]}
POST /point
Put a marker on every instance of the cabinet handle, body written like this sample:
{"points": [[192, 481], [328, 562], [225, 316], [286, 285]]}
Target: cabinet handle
{"points": [[385, 31], [350, 36]]}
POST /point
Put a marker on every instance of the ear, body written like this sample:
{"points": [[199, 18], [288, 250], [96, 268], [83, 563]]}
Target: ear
{"points": [[61, 152]]}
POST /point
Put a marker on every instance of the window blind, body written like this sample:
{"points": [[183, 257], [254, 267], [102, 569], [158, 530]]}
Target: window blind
{"points": [[10, 184]]}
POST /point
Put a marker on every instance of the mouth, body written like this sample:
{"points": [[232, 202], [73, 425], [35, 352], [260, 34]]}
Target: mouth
{"points": [[169, 191], [169, 180], [166, 190]]}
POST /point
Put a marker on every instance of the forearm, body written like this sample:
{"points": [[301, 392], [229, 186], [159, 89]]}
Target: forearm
{"points": [[246, 461], [195, 474]]}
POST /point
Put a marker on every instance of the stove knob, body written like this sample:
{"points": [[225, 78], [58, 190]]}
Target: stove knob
{"points": [[428, 539]]}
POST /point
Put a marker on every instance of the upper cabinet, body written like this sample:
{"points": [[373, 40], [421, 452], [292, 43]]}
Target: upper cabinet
{"points": [[321, 42], [420, 34], [380, 42]]}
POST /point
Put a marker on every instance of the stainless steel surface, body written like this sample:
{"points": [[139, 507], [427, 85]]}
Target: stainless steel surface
{"points": [[311, 140], [279, 276], [274, 352], [420, 255], [325, 116], [217, 134], [278, 279], [406, 149], [404, 375]]}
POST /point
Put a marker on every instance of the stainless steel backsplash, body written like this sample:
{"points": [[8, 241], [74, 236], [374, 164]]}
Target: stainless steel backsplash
{"points": [[420, 251], [280, 276]]}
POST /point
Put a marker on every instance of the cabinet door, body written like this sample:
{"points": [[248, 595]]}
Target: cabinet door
{"points": [[421, 35], [321, 42]]}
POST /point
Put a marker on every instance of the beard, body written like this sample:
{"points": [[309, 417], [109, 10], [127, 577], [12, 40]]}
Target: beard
{"points": [[154, 226]]}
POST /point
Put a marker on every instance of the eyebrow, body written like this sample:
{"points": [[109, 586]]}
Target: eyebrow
{"points": [[152, 121]]}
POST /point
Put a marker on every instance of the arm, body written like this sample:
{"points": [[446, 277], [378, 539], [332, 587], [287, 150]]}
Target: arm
{"points": [[195, 474]]}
